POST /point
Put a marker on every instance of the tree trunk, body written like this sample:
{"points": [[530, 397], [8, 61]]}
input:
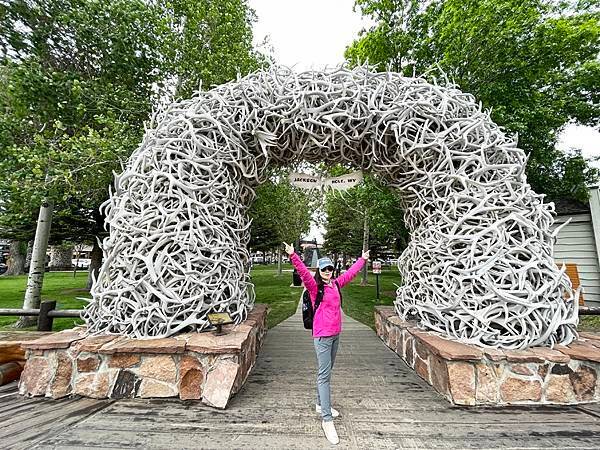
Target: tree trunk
{"points": [[16, 258], [35, 280], [279, 268], [28, 257], [61, 257], [364, 280], [95, 264]]}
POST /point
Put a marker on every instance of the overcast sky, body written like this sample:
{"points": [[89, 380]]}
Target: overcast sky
{"points": [[311, 34], [307, 34]]}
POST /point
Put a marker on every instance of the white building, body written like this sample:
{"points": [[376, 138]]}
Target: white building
{"points": [[578, 243]]}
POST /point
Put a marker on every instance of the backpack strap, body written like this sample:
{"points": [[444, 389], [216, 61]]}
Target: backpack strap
{"points": [[339, 291], [320, 293]]}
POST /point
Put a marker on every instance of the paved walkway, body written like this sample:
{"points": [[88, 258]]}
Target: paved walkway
{"points": [[383, 405]]}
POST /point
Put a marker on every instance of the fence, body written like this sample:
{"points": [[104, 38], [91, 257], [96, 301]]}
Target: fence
{"points": [[46, 314]]}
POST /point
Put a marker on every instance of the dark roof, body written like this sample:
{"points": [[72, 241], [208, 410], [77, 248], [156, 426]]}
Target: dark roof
{"points": [[569, 206]]}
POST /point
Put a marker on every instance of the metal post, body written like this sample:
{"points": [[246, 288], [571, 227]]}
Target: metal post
{"points": [[377, 283], [45, 321]]}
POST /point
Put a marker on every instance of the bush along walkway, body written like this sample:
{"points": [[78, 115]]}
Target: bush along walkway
{"points": [[383, 404]]}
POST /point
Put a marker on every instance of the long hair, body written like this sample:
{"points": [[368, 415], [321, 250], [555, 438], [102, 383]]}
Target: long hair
{"points": [[318, 278]]}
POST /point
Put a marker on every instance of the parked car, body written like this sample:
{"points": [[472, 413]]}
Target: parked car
{"points": [[81, 263]]}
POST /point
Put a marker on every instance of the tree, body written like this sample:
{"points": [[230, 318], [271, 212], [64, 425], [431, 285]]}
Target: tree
{"points": [[343, 228], [210, 42], [16, 260], [533, 62], [78, 85], [280, 213], [365, 212], [78, 78]]}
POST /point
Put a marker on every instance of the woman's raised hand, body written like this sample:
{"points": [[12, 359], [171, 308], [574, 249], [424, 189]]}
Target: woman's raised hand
{"points": [[365, 255], [289, 249]]}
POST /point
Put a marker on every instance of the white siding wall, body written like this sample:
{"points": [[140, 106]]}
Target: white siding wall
{"points": [[575, 243]]}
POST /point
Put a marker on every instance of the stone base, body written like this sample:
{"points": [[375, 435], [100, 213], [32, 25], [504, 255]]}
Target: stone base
{"points": [[198, 366], [471, 375]]}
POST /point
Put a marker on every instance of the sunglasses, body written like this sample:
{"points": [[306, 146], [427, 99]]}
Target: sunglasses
{"points": [[327, 269]]}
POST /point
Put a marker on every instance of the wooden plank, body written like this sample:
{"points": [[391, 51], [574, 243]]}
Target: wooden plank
{"points": [[196, 413], [24, 430], [10, 344], [281, 435], [583, 238], [9, 387], [481, 442], [17, 404], [591, 408], [308, 426], [493, 430], [87, 438], [582, 254], [575, 218], [365, 385], [43, 409]]}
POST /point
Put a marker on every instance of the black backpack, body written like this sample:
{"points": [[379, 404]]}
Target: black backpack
{"points": [[308, 314]]}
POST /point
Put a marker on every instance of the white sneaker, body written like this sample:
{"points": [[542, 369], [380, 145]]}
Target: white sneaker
{"points": [[330, 433], [334, 412]]}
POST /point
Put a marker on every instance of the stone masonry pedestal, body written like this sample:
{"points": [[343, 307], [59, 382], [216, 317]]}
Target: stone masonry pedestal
{"points": [[199, 366], [471, 375]]}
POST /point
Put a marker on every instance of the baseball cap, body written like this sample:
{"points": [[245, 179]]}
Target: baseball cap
{"points": [[325, 262]]}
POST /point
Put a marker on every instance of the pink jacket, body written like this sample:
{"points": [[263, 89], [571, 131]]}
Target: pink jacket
{"points": [[328, 318]]}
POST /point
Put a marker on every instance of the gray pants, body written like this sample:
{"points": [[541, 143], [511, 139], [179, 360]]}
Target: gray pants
{"points": [[326, 348]]}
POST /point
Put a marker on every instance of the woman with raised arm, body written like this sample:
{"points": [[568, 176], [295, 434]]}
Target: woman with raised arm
{"points": [[327, 325]]}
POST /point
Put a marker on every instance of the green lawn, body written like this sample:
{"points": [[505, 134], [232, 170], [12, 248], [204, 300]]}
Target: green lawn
{"points": [[359, 301], [59, 286], [270, 288], [589, 323], [275, 291]]}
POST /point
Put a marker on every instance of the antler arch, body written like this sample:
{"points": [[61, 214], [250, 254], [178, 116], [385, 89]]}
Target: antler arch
{"points": [[479, 265]]}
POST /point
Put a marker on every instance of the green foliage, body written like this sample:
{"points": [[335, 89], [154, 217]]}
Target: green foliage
{"points": [[210, 43], [76, 85], [533, 62], [280, 213], [78, 79], [343, 228], [346, 212], [275, 291]]}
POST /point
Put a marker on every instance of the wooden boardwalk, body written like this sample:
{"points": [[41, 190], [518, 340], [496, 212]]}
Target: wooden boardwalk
{"points": [[383, 405]]}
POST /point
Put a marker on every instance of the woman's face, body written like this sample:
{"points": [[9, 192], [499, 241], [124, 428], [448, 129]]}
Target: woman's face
{"points": [[326, 273]]}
